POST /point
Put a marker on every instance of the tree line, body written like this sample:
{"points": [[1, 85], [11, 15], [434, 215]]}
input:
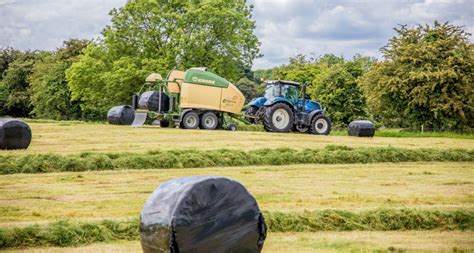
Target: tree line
{"points": [[426, 78]]}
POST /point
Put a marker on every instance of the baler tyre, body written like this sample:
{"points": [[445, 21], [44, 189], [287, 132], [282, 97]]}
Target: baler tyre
{"points": [[190, 120], [232, 127], [251, 111], [320, 124], [278, 118], [209, 121]]}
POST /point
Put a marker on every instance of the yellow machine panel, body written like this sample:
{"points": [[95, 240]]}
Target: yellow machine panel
{"points": [[232, 99], [178, 76], [200, 97]]}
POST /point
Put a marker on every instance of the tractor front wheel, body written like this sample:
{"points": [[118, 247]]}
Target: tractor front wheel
{"points": [[278, 118], [190, 120], [320, 124]]}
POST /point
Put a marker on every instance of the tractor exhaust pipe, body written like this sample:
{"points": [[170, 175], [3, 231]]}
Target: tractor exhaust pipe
{"points": [[304, 96]]}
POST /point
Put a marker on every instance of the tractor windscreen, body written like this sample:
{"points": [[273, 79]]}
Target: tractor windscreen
{"points": [[272, 91]]}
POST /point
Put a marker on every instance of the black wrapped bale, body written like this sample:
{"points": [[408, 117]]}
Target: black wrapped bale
{"points": [[361, 128], [201, 214], [150, 100], [14, 134], [121, 115]]}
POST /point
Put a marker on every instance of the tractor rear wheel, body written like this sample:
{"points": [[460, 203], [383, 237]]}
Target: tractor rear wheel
{"points": [[278, 118], [320, 124], [209, 121], [190, 120]]}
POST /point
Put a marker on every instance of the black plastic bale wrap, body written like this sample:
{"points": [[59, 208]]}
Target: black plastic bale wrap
{"points": [[361, 128], [150, 100], [14, 134], [121, 115], [201, 214]]}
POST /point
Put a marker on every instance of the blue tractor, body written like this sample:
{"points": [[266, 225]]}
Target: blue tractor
{"points": [[282, 110]]}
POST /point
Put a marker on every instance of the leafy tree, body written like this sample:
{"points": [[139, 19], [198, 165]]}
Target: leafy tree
{"points": [[332, 81], [7, 55], [156, 36], [338, 90], [300, 69], [427, 78], [50, 93], [15, 83], [249, 88]]}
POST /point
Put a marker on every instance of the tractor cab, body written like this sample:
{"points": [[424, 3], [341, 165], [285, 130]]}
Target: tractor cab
{"points": [[283, 89]]}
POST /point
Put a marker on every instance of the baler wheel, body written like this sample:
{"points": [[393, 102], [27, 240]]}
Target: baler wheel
{"points": [[209, 121], [190, 120]]}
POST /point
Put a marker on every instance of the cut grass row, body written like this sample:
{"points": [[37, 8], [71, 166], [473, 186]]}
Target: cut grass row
{"points": [[165, 159], [315, 242], [68, 233]]}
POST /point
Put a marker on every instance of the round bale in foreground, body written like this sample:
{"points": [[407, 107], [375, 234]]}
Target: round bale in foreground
{"points": [[361, 128], [201, 214], [121, 115], [14, 134]]}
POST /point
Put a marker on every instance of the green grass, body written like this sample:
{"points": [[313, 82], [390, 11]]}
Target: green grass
{"points": [[65, 137], [332, 154], [43, 198], [69, 233]]}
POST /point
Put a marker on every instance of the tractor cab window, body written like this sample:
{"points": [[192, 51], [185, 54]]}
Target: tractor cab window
{"points": [[272, 91], [290, 92]]}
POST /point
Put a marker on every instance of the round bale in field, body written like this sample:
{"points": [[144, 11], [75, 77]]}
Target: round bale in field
{"points": [[201, 214], [121, 115], [361, 128], [14, 134]]}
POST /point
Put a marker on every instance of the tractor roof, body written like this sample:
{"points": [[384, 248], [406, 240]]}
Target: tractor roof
{"points": [[282, 82]]}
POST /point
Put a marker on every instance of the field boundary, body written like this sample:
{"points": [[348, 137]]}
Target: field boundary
{"points": [[70, 233], [164, 159]]}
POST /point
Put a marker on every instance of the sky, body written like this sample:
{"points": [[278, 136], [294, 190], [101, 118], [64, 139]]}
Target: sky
{"points": [[284, 27]]}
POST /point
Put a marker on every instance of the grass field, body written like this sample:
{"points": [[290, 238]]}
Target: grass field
{"points": [[91, 196], [67, 137]]}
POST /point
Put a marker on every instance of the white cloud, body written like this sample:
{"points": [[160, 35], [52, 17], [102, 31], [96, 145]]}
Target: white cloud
{"points": [[285, 27]]}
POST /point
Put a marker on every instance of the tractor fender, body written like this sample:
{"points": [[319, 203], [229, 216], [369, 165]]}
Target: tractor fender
{"points": [[257, 102], [278, 100], [312, 114]]}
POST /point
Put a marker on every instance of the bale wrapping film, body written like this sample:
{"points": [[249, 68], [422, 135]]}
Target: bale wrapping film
{"points": [[14, 134], [150, 100], [361, 128], [121, 115], [201, 214]]}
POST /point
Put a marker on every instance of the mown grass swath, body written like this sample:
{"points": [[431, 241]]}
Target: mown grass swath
{"points": [[69, 233], [332, 154]]}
